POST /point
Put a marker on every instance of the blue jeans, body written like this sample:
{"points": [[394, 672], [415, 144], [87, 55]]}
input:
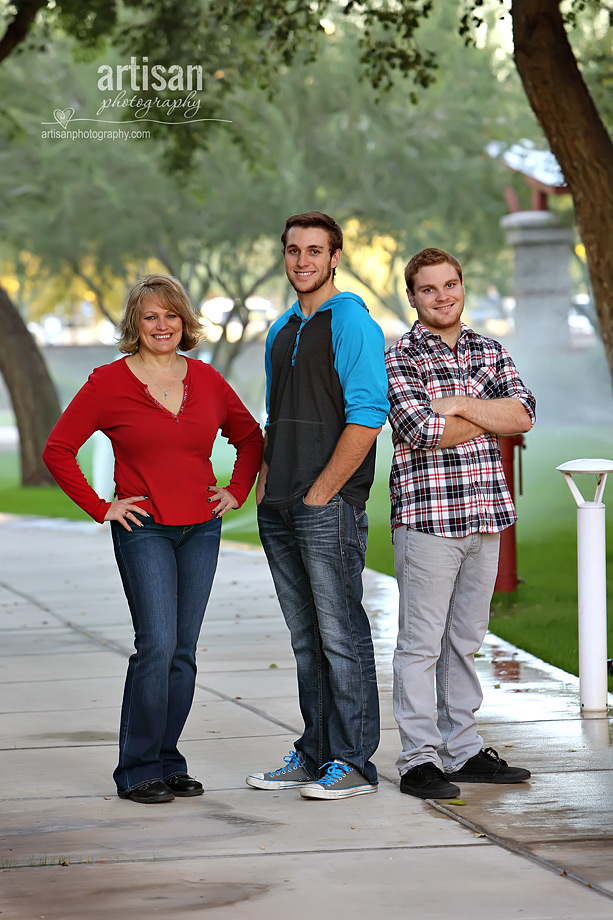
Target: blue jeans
{"points": [[167, 573], [316, 556]]}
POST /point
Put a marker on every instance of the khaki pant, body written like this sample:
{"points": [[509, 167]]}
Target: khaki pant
{"points": [[446, 586]]}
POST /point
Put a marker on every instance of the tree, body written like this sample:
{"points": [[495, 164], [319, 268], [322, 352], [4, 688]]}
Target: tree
{"points": [[120, 214], [549, 72], [32, 393], [546, 64], [577, 137], [247, 45], [377, 168]]}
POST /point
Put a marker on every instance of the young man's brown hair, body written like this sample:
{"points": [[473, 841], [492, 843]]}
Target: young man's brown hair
{"points": [[428, 257], [315, 219]]}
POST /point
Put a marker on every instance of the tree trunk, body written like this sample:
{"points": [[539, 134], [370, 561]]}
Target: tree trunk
{"points": [[31, 389], [577, 138], [97, 291], [19, 27], [225, 354]]}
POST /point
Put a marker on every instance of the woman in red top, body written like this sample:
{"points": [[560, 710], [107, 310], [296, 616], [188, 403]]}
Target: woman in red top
{"points": [[162, 412]]}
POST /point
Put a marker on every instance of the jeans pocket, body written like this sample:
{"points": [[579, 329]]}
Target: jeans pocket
{"points": [[333, 503], [361, 527]]}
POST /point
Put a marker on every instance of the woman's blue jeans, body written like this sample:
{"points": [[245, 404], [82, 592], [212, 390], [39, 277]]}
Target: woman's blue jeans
{"points": [[316, 556], [167, 573]]}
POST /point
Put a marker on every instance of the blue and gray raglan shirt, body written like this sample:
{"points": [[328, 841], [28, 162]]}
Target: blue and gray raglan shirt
{"points": [[323, 372]]}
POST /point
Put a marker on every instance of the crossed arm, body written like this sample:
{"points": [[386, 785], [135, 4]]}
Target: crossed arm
{"points": [[427, 423], [467, 417]]}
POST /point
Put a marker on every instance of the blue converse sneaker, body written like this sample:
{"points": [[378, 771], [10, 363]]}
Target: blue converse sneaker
{"points": [[290, 776], [339, 782]]}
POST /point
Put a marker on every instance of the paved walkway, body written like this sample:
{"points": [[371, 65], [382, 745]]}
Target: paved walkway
{"points": [[71, 850]]}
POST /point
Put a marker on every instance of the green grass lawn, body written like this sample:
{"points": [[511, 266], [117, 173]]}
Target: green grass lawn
{"points": [[44, 502], [541, 616]]}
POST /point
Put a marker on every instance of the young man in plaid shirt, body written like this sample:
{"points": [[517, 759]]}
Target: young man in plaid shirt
{"points": [[452, 393]]}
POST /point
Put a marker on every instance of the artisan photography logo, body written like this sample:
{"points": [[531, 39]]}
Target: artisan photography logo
{"points": [[136, 93]]}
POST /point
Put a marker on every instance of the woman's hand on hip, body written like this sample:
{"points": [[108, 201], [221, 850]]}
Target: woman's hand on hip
{"points": [[225, 501], [124, 510]]}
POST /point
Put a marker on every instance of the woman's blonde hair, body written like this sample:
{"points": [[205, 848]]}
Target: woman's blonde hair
{"points": [[170, 294]]}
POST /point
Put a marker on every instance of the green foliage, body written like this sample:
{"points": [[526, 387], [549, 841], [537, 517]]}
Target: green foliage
{"points": [[91, 25], [103, 210], [591, 42], [242, 45], [588, 25], [388, 42], [411, 173]]}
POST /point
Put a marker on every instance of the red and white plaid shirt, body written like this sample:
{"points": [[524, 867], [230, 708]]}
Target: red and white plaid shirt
{"points": [[457, 490]]}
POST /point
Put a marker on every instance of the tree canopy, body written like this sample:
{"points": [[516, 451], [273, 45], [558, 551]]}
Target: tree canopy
{"points": [[373, 163], [406, 174]]}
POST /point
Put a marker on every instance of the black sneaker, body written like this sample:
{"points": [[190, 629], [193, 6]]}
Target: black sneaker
{"points": [[426, 781], [488, 767]]}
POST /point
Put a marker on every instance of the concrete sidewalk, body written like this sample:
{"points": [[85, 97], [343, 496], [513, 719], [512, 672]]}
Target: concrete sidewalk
{"points": [[71, 850]]}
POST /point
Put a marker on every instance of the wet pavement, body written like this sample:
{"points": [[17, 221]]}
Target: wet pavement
{"points": [[71, 850]]}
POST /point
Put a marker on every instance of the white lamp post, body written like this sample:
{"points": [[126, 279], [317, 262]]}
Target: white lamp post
{"points": [[592, 584]]}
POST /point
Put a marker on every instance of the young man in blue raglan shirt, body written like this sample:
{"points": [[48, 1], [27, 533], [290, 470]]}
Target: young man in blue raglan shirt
{"points": [[326, 398]]}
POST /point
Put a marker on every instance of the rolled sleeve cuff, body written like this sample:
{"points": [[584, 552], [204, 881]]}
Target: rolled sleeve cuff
{"points": [[369, 418], [431, 432], [528, 405]]}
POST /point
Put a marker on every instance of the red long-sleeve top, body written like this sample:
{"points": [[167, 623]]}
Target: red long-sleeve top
{"points": [[157, 454]]}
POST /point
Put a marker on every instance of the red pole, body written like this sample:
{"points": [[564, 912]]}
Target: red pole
{"points": [[507, 580]]}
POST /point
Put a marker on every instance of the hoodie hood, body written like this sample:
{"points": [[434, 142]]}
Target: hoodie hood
{"points": [[341, 298]]}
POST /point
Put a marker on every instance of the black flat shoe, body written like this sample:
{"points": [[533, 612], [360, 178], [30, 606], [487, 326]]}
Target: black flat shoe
{"points": [[184, 785], [150, 793], [426, 781], [488, 767]]}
